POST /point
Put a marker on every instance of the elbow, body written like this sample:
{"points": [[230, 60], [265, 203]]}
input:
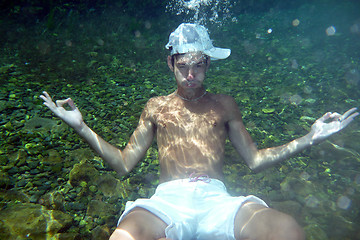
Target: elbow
{"points": [[255, 167], [121, 167], [256, 164], [252, 162], [123, 171]]}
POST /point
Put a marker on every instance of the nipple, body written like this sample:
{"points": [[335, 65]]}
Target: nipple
{"points": [[162, 124]]}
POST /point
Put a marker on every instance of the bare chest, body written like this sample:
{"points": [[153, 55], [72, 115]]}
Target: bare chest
{"points": [[196, 122]]}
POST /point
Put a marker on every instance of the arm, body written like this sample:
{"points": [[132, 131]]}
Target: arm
{"points": [[261, 159], [121, 161]]}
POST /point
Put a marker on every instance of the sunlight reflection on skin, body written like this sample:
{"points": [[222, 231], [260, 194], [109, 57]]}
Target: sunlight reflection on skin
{"points": [[123, 234], [120, 233], [190, 137]]}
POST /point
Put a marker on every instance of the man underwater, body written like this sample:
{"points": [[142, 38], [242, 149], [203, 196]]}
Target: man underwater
{"points": [[191, 126]]}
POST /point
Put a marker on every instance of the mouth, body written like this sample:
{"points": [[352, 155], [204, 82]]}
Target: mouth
{"points": [[190, 84]]}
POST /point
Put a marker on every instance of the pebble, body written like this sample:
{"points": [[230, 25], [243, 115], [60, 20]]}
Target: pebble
{"points": [[34, 198], [21, 183]]}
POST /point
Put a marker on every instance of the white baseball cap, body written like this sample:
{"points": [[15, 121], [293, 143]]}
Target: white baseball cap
{"points": [[191, 37]]}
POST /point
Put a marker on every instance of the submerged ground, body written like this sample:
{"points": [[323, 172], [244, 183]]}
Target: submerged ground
{"points": [[288, 67]]}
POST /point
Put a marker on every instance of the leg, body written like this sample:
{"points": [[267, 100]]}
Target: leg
{"points": [[140, 224], [255, 221]]}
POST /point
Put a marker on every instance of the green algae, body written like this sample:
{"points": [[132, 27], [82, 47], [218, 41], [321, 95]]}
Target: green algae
{"points": [[110, 84]]}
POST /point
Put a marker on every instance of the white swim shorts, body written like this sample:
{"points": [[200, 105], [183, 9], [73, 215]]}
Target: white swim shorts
{"points": [[194, 209]]}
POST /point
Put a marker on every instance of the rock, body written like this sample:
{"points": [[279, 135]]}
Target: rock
{"points": [[295, 186], [98, 208], [100, 232], [26, 220], [40, 124], [112, 187], [67, 236], [13, 170], [3, 105], [75, 206], [83, 172], [305, 192], [107, 185], [274, 195], [340, 226], [13, 195], [21, 183], [289, 207], [18, 158], [34, 148], [268, 110], [5, 181], [314, 232], [53, 200], [53, 157], [81, 155]]}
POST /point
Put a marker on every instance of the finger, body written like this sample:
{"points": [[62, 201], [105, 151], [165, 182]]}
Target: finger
{"points": [[47, 95], [349, 119], [43, 97], [335, 116], [48, 102], [51, 106], [71, 103], [60, 103], [348, 113], [325, 117]]}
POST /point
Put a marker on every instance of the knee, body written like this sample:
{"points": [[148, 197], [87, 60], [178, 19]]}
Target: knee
{"points": [[132, 227], [139, 224], [121, 234]]}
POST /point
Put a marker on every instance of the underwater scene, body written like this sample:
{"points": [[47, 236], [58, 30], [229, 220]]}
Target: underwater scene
{"points": [[290, 63]]}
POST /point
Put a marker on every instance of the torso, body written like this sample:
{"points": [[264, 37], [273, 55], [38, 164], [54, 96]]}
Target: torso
{"points": [[190, 135]]}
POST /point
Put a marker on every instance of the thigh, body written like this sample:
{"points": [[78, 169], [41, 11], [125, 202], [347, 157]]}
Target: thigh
{"points": [[255, 221], [140, 224]]}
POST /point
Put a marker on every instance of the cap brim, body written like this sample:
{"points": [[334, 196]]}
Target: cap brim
{"points": [[218, 53]]}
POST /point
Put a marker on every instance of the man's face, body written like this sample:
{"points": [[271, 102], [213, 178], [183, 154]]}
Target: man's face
{"points": [[189, 69]]}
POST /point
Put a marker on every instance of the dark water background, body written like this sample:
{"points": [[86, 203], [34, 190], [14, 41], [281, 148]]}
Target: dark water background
{"points": [[288, 67]]}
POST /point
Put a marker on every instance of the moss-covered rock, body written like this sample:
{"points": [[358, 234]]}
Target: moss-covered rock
{"points": [[21, 221], [314, 232], [97, 208], [83, 172]]}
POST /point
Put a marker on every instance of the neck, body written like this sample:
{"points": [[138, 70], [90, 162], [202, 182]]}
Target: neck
{"points": [[191, 96]]}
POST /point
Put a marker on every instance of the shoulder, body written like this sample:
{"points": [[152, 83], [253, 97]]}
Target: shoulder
{"points": [[155, 104], [159, 101], [229, 105], [227, 101]]}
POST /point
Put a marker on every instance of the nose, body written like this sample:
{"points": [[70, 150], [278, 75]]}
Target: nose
{"points": [[191, 74]]}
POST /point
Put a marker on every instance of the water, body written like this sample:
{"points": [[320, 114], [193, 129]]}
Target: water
{"points": [[203, 11], [298, 60]]}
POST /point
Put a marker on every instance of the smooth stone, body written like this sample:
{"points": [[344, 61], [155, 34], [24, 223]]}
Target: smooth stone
{"points": [[291, 208], [27, 220], [100, 232], [314, 232], [97, 208], [53, 200], [83, 172], [53, 157]]}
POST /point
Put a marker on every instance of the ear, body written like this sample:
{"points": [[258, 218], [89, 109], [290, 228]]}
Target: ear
{"points": [[170, 64]]}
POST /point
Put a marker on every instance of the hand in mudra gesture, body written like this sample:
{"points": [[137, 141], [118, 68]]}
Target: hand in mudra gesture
{"points": [[72, 117], [331, 123]]}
